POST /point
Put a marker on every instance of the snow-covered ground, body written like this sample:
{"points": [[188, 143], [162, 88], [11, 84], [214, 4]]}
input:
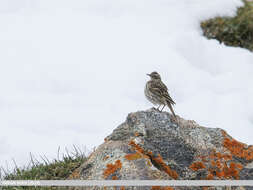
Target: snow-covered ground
{"points": [[71, 70]]}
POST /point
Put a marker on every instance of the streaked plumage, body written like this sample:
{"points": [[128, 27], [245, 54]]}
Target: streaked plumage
{"points": [[157, 92]]}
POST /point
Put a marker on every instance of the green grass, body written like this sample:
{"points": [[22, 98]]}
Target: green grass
{"points": [[233, 31], [57, 169]]}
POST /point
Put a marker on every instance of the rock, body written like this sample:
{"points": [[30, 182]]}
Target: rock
{"points": [[149, 145]]}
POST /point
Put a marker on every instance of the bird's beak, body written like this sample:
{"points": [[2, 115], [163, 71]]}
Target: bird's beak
{"points": [[148, 74]]}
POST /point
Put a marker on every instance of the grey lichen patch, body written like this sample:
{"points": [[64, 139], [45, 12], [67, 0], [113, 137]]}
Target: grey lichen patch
{"points": [[246, 174], [249, 165], [122, 132], [86, 170], [149, 145], [171, 149]]}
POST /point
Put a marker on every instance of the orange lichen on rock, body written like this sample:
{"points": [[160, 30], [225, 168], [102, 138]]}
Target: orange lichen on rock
{"points": [[227, 157], [136, 147], [157, 159], [133, 156], [237, 148], [114, 177], [209, 176], [218, 165], [139, 152], [217, 155], [165, 167], [197, 166], [203, 158], [156, 188], [213, 163], [221, 165], [111, 168], [229, 172], [226, 171], [137, 134], [106, 157]]}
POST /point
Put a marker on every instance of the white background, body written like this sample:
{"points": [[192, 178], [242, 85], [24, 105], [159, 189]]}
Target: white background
{"points": [[71, 70]]}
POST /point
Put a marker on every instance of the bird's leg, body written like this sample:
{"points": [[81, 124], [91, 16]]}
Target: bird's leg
{"points": [[158, 108], [163, 107]]}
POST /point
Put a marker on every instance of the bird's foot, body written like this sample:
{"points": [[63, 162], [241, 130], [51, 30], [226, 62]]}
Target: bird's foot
{"points": [[153, 108], [156, 109]]}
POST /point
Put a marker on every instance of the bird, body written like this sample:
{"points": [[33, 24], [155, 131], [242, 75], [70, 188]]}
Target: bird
{"points": [[157, 93]]}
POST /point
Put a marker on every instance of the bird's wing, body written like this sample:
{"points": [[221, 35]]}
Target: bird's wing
{"points": [[155, 88], [160, 89]]}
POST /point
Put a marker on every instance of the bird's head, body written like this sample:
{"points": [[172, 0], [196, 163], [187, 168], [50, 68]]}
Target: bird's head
{"points": [[154, 75]]}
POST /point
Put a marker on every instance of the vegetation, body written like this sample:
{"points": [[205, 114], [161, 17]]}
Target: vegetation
{"points": [[233, 31], [57, 169]]}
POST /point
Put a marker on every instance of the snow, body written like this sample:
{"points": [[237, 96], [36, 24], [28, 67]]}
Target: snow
{"points": [[71, 71]]}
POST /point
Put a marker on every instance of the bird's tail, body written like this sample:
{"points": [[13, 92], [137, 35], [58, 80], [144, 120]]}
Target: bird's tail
{"points": [[171, 109]]}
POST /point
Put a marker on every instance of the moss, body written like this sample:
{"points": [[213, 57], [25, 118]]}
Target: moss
{"points": [[233, 31], [111, 168]]}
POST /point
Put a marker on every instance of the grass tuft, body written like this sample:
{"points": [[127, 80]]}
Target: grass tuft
{"points": [[233, 31], [57, 169]]}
